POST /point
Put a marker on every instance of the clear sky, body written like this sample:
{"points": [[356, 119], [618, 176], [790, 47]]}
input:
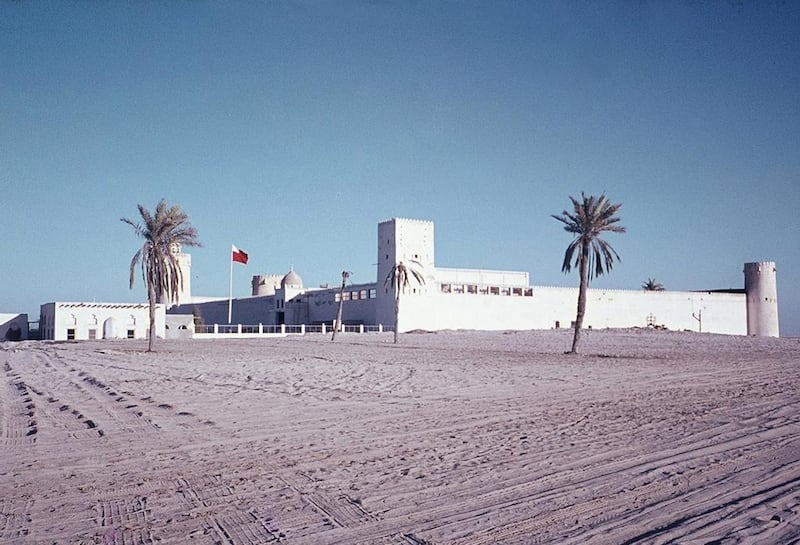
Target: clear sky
{"points": [[292, 128]]}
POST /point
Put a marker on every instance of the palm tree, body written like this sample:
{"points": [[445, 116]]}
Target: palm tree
{"points": [[338, 324], [400, 278], [593, 256], [161, 272], [652, 285]]}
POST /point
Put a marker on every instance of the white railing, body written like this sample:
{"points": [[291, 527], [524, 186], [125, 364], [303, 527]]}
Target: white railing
{"points": [[240, 331]]}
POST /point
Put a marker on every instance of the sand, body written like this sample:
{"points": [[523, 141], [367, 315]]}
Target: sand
{"points": [[447, 438]]}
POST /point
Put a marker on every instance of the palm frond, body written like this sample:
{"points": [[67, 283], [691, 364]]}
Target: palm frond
{"points": [[161, 229], [590, 217]]}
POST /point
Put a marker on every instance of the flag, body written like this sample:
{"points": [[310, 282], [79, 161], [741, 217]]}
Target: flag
{"points": [[239, 256]]}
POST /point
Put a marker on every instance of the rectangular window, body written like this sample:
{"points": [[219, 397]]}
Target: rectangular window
{"points": [[131, 333], [363, 294], [346, 296], [70, 334], [446, 288], [472, 288], [517, 291], [494, 290], [373, 294], [336, 297], [354, 295], [528, 292], [92, 334]]}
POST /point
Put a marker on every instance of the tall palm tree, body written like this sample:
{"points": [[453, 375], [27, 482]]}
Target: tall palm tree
{"points": [[652, 285], [400, 279], [161, 272], [338, 324], [593, 256]]}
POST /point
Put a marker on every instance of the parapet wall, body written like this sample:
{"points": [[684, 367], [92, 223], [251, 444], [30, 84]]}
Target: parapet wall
{"points": [[553, 307]]}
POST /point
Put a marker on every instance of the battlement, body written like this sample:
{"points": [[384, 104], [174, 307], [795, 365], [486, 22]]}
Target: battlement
{"points": [[406, 220]]}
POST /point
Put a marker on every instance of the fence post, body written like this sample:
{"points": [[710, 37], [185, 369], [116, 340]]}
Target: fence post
{"points": [[239, 329], [283, 329], [216, 329], [260, 329], [380, 328], [302, 329], [323, 328], [361, 328]]}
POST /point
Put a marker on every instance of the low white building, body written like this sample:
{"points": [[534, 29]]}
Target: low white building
{"points": [[453, 298], [66, 321]]}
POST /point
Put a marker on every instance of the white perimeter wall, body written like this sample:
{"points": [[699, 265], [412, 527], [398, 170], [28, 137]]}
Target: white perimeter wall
{"points": [[247, 310], [721, 312], [357, 309], [307, 307]]}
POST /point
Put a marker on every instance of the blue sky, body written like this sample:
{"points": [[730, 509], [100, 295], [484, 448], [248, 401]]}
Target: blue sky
{"points": [[291, 128]]}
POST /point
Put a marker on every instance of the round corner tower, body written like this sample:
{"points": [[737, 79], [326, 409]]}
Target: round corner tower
{"points": [[761, 289], [265, 284]]}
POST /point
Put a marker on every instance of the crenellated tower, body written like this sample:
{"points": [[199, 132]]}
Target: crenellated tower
{"points": [[409, 241]]}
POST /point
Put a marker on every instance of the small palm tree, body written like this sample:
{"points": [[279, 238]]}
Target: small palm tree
{"points": [[400, 278], [161, 272], [593, 256], [338, 324], [652, 285]]}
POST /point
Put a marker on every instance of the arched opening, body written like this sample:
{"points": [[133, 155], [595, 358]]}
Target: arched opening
{"points": [[111, 329]]}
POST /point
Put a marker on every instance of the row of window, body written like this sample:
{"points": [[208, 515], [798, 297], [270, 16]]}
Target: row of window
{"points": [[92, 334], [486, 290], [356, 295]]}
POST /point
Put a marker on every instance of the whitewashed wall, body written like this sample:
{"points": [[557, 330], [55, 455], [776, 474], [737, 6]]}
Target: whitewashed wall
{"points": [[720, 312], [107, 320]]}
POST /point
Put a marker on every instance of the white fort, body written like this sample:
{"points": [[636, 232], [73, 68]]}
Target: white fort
{"points": [[488, 299]]}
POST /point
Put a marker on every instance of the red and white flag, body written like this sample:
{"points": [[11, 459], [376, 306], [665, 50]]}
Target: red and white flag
{"points": [[238, 255]]}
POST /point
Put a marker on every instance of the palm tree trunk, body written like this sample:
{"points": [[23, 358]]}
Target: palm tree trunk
{"points": [[151, 296], [396, 314], [583, 268], [338, 323]]}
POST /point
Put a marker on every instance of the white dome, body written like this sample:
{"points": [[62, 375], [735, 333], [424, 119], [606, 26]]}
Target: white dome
{"points": [[292, 279]]}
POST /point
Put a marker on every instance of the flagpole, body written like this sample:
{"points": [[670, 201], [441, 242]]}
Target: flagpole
{"points": [[230, 288]]}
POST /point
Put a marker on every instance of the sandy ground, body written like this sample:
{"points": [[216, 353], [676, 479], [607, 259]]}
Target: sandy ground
{"points": [[447, 438]]}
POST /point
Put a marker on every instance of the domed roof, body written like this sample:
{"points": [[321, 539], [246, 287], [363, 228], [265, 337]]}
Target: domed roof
{"points": [[292, 279]]}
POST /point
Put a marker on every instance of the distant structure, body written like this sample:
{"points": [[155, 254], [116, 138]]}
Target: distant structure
{"points": [[455, 298], [13, 327]]}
